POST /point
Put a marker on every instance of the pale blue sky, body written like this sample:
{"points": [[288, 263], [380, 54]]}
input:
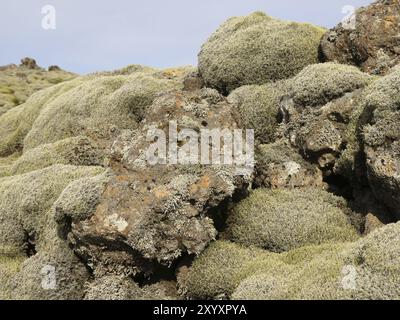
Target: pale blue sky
{"points": [[93, 35]]}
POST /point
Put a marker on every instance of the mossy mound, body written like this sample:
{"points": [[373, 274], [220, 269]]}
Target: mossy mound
{"points": [[257, 108], [26, 201], [318, 84], [280, 220], [365, 270], [376, 260], [219, 271], [213, 274], [34, 252], [316, 278], [17, 122], [257, 49], [97, 108], [95, 105], [10, 263], [79, 151], [51, 274]]}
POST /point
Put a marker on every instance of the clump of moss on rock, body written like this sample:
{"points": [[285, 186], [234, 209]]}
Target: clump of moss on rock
{"points": [[51, 274], [257, 108], [257, 49], [26, 201], [79, 151], [29, 229], [280, 220], [97, 108], [318, 84], [220, 271], [17, 122], [367, 269], [213, 273], [316, 277]]}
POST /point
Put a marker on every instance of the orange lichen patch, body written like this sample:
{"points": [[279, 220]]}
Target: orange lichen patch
{"points": [[391, 20], [203, 183], [161, 192], [124, 178]]}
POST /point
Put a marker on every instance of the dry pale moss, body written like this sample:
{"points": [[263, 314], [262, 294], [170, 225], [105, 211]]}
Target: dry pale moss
{"points": [[223, 267], [10, 264], [79, 199], [79, 151], [257, 49], [70, 275], [282, 220], [28, 225], [97, 108], [320, 83], [17, 122], [90, 105], [213, 273], [26, 201], [383, 99], [366, 269]]}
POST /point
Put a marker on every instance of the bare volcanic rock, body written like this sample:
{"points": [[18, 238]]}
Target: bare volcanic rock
{"points": [[374, 43], [155, 213], [279, 165], [257, 49]]}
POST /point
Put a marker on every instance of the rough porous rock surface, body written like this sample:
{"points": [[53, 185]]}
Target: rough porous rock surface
{"points": [[382, 140], [157, 213], [245, 50], [319, 110], [279, 165], [374, 43]]}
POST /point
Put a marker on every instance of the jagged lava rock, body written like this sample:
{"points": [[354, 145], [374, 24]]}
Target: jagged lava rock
{"points": [[157, 213], [374, 43]]}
